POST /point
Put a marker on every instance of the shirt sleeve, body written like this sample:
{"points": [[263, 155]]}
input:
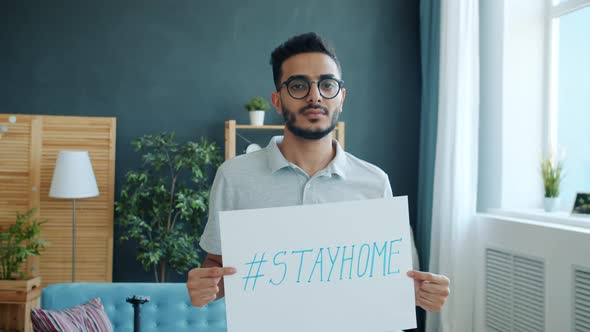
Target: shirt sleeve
{"points": [[388, 193], [211, 237]]}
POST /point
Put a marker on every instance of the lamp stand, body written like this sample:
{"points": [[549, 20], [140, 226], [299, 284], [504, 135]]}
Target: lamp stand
{"points": [[74, 240]]}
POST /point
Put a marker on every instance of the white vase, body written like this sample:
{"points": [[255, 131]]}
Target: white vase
{"points": [[551, 204], [257, 118]]}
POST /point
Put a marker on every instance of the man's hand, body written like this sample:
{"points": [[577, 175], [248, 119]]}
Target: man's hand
{"points": [[432, 290], [203, 284]]}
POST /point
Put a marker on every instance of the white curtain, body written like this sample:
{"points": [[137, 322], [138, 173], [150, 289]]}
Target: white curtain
{"points": [[455, 172]]}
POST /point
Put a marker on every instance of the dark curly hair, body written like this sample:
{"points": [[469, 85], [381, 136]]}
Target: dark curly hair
{"points": [[309, 42]]}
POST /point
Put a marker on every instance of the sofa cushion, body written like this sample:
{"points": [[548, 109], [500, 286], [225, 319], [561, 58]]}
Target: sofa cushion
{"points": [[169, 309], [87, 317]]}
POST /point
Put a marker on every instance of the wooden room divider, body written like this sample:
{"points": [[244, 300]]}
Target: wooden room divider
{"points": [[29, 146]]}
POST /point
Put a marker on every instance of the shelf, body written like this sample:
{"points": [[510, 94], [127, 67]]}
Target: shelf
{"points": [[268, 127], [231, 127]]}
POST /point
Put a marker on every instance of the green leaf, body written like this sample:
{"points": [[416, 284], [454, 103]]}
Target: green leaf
{"points": [[165, 220], [19, 241], [552, 176]]}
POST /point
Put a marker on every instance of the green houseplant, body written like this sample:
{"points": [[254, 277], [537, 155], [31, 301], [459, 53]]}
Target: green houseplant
{"points": [[256, 106], [257, 103], [552, 174], [19, 241], [19, 292], [163, 205]]}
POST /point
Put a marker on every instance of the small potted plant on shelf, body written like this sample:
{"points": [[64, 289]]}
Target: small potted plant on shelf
{"points": [[18, 291], [552, 174], [256, 107]]}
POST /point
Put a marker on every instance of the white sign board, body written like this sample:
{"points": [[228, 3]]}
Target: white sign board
{"points": [[325, 267]]}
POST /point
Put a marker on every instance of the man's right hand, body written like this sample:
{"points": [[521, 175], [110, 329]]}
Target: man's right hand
{"points": [[204, 284]]}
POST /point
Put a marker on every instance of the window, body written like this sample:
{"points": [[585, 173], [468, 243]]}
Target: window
{"points": [[569, 87]]}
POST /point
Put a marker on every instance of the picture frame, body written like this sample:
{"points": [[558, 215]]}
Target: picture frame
{"points": [[582, 204]]}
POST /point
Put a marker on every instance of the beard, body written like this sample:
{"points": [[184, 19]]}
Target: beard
{"points": [[311, 134]]}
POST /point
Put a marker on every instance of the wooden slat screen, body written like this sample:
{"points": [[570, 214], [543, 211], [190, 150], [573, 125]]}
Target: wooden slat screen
{"points": [[29, 151], [15, 194]]}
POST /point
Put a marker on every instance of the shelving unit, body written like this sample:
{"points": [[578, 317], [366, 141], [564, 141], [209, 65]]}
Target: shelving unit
{"points": [[231, 127]]}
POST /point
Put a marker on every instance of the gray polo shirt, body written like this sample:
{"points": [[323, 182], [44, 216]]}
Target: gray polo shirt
{"points": [[265, 179]]}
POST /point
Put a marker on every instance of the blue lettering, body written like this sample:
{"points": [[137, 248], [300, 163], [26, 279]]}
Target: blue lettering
{"points": [[345, 260], [318, 261], [300, 261], [332, 260], [391, 253], [274, 260], [379, 253], [358, 267]]}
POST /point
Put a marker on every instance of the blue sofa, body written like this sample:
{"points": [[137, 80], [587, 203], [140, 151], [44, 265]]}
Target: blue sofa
{"points": [[169, 308]]}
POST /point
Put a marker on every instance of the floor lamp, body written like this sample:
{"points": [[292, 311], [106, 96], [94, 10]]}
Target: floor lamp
{"points": [[73, 178]]}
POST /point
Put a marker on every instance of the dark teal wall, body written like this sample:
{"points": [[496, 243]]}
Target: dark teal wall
{"points": [[187, 66]]}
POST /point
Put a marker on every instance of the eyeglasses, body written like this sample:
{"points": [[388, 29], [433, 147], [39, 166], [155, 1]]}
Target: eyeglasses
{"points": [[299, 87]]}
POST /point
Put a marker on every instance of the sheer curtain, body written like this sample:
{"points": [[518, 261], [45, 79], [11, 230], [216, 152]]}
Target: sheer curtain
{"points": [[455, 171]]}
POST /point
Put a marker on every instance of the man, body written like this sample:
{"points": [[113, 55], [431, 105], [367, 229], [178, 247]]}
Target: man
{"points": [[304, 167]]}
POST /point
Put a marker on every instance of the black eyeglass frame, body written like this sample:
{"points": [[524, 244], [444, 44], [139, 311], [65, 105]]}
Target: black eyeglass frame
{"points": [[309, 83]]}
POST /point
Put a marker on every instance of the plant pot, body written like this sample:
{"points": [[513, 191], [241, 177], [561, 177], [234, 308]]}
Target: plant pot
{"points": [[257, 118], [17, 298], [551, 204]]}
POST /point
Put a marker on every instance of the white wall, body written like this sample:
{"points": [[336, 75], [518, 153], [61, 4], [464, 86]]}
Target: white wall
{"points": [[523, 87], [512, 37], [490, 117], [573, 137]]}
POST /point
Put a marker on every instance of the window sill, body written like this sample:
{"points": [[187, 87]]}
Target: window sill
{"points": [[540, 217]]}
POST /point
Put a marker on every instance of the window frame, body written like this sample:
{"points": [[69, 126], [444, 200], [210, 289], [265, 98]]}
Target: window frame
{"points": [[555, 11]]}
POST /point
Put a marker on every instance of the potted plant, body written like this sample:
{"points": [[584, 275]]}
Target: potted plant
{"points": [[256, 107], [163, 205], [551, 171], [18, 291]]}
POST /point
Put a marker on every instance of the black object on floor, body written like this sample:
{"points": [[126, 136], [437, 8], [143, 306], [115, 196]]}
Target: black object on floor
{"points": [[137, 301]]}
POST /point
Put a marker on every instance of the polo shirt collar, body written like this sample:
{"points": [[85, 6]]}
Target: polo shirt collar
{"points": [[277, 161], [338, 164]]}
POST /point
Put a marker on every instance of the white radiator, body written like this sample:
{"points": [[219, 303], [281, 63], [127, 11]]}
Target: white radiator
{"points": [[581, 301], [532, 276], [514, 297]]}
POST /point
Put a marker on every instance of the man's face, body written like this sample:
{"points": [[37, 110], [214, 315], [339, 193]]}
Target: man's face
{"points": [[314, 116]]}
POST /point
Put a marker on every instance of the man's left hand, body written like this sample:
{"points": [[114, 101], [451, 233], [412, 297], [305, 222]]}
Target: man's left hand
{"points": [[431, 290]]}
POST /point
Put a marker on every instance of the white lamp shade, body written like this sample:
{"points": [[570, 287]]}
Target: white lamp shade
{"points": [[73, 176]]}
